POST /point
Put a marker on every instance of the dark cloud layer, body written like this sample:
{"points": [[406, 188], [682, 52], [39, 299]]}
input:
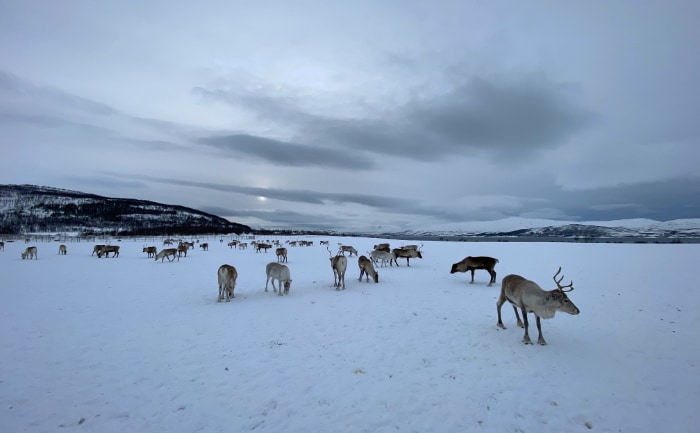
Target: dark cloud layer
{"points": [[511, 119], [287, 153]]}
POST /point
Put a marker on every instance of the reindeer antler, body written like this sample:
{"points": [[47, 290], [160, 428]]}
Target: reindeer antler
{"points": [[559, 286]]}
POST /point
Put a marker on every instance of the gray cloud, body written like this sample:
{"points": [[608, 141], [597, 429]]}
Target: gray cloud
{"points": [[491, 118], [287, 153]]}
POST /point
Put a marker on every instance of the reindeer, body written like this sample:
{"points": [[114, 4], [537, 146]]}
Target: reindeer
{"points": [[168, 253], [339, 264], [530, 298], [151, 251], [367, 269], [281, 254], [384, 256], [181, 249], [2, 245], [408, 254], [323, 243], [106, 249], [227, 275], [62, 250], [30, 253], [167, 242], [204, 246], [348, 248], [232, 244], [382, 247], [243, 246], [279, 272], [261, 246], [472, 263], [96, 249]]}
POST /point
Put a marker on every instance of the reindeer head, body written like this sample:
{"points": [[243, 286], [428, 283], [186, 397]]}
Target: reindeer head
{"points": [[559, 295]]}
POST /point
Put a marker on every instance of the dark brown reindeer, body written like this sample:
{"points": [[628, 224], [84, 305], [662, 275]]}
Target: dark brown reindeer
{"points": [[472, 263], [530, 298]]}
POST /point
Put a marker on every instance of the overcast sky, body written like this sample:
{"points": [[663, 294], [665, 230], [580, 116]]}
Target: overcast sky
{"points": [[334, 113]]}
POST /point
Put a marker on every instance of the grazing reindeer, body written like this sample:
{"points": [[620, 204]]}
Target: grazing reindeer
{"points": [[243, 246], [382, 247], [232, 244], [62, 250], [168, 253], [281, 254], [106, 249], [261, 246], [182, 249], [367, 269], [279, 272], [530, 298], [384, 256], [227, 282], [408, 254], [96, 249], [151, 251], [339, 264], [472, 263], [347, 248], [204, 246], [30, 253]]}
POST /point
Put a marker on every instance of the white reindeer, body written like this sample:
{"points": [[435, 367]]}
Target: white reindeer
{"points": [[279, 272], [169, 253], [384, 256], [227, 276], [530, 298], [339, 264]]}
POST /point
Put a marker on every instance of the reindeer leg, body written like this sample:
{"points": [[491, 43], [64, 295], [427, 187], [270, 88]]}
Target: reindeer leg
{"points": [[540, 339], [499, 304], [526, 337], [472, 281], [517, 316]]}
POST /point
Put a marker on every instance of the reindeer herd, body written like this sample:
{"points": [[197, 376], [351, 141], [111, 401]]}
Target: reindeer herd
{"points": [[524, 295]]}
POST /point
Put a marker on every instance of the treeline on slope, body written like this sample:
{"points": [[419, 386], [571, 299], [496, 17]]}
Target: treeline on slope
{"points": [[45, 210]]}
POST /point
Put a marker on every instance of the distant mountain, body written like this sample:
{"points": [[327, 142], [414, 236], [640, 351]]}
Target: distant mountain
{"points": [[29, 208], [524, 228]]}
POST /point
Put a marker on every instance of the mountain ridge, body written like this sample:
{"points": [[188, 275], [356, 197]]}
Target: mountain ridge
{"points": [[32, 208]]}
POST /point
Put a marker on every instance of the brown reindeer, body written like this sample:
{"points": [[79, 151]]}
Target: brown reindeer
{"points": [[30, 253], [62, 250], [150, 251], [367, 269], [281, 253], [204, 246], [530, 298], [106, 249], [472, 263]]}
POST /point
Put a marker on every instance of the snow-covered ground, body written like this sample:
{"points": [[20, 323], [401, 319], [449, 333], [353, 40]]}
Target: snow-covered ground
{"points": [[133, 345]]}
